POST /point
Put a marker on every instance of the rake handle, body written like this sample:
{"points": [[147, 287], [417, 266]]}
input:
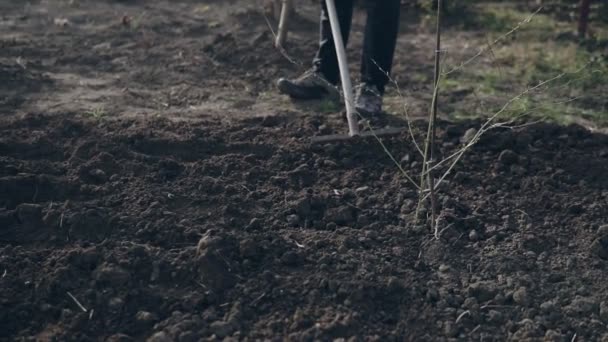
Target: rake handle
{"points": [[347, 87], [283, 22]]}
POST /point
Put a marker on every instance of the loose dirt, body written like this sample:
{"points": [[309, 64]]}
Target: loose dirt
{"points": [[154, 187]]}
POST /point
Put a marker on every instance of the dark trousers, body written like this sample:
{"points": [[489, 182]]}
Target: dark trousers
{"points": [[378, 45]]}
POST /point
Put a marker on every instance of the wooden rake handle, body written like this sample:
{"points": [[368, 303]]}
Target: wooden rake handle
{"points": [[283, 23], [347, 87], [353, 124]]}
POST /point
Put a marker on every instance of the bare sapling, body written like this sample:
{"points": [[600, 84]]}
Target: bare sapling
{"points": [[435, 171], [427, 182]]}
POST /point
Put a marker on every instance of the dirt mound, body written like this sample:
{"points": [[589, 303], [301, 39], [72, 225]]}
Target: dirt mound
{"points": [[182, 231]]}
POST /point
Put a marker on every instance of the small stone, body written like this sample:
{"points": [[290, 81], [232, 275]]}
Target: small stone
{"points": [[362, 190], [340, 215], [547, 307], [495, 316], [575, 209], [554, 336], [432, 295], [160, 336], [221, 329], [602, 230], [419, 229], [98, 175], [61, 22], [145, 319], [293, 220], [571, 262], [471, 303], [508, 157], [214, 264], [482, 290], [581, 306], [299, 320], [113, 275], [254, 224], [604, 311], [119, 338], [303, 206], [289, 258], [324, 129], [394, 284], [521, 297], [509, 223], [599, 247], [115, 304], [473, 235], [527, 329], [248, 248], [583, 291], [449, 329], [187, 336], [29, 213]]}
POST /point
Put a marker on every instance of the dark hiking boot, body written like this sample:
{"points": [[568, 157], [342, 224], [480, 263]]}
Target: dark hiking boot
{"points": [[310, 86], [368, 99]]}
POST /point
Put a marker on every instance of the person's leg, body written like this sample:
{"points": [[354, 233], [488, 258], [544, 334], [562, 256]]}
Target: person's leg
{"points": [[378, 49], [379, 42], [326, 61], [320, 81]]}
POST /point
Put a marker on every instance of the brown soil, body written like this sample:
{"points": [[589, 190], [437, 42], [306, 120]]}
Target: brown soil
{"points": [[149, 174]]}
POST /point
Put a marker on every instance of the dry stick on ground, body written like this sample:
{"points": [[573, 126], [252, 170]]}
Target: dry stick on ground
{"points": [[77, 302]]}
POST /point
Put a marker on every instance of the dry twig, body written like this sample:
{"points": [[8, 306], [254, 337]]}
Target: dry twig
{"points": [[77, 302]]}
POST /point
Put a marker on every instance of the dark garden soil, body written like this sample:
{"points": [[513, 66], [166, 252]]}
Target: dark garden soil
{"points": [[157, 218]]}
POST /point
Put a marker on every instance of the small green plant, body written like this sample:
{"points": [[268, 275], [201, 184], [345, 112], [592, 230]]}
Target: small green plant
{"points": [[96, 113], [328, 106]]}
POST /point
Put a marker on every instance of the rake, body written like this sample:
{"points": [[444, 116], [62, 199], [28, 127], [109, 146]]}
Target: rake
{"points": [[347, 88]]}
